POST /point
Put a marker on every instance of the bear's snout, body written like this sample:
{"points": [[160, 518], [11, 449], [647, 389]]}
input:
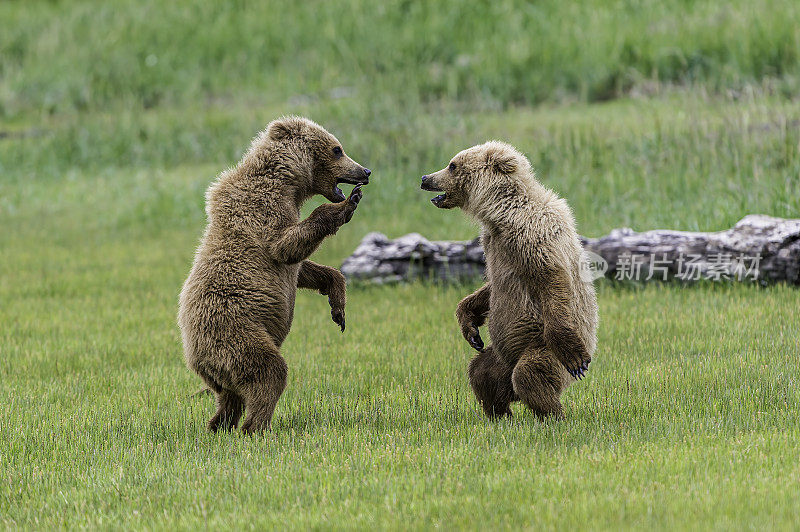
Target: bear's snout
{"points": [[358, 175], [428, 184], [367, 173]]}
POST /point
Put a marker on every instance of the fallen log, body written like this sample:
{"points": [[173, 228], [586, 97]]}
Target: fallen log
{"points": [[757, 249]]}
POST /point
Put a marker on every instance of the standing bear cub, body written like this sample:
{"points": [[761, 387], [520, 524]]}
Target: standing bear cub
{"points": [[237, 304], [542, 316]]}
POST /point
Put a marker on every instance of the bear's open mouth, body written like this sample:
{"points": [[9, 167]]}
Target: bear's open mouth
{"points": [[438, 200], [338, 195], [337, 192], [426, 185], [353, 180]]}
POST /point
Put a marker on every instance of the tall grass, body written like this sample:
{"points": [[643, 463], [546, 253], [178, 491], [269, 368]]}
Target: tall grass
{"points": [[91, 55], [687, 162]]}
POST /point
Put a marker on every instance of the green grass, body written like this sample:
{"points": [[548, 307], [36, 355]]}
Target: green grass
{"points": [[88, 55], [689, 417], [687, 420]]}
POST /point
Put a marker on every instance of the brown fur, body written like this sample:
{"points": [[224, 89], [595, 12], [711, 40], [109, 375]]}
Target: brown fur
{"points": [[542, 316], [236, 306]]}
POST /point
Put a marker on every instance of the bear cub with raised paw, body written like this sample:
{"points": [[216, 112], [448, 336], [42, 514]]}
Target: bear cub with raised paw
{"points": [[237, 304], [541, 313]]}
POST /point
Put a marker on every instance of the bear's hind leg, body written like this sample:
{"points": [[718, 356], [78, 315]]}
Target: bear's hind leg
{"points": [[490, 379], [538, 383], [262, 390], [229, 410]]}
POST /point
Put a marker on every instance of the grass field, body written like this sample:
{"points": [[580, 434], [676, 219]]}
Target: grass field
{"points": [[114, 119]]}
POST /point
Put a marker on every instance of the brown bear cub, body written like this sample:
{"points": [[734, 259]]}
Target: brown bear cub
{"points": [[542, 316], [237, 304]]}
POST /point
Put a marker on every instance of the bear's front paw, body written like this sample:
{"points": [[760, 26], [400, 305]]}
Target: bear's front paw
{"points": [[337, 315], [355, 195], [471, 334], [475, 340], [581, 370], [349, 205]]}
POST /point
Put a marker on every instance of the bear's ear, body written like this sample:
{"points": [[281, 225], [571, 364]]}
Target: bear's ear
{"points": [[281, 128], [503, 163]]}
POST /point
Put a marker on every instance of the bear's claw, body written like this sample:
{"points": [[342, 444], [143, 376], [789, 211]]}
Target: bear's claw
{"points": [[338, 318], [355, 195], [352, 202], [580, 372], [476, 342]]}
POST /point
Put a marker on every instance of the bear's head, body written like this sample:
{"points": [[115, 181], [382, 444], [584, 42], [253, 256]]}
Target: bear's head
{"points": [[485, 170], [315, 157]]}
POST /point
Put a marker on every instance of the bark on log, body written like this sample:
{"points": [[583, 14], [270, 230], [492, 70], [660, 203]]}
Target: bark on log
{"points": [[758, 248]]}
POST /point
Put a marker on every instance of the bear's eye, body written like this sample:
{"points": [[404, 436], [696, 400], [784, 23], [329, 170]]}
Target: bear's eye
{"points": [[452, 167], [337, 151]]}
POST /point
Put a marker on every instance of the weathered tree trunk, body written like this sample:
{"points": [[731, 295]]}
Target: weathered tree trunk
{"points": [[758, 248]]}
